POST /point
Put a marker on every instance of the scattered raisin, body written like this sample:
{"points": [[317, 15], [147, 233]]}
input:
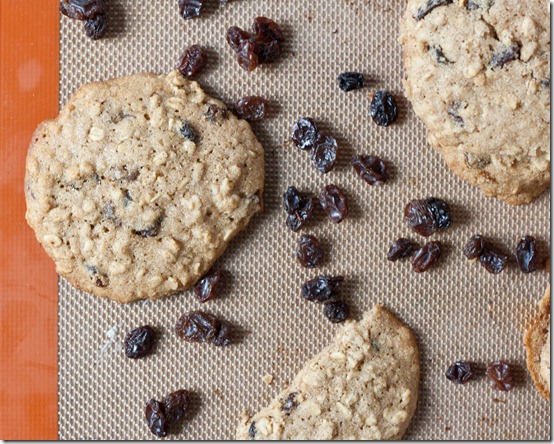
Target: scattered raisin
{"points": [[222, 338], [304, 133], [236, 36], [400, 248], [349, 81], [499, 374], [251, 108], [334, 203], [252, 430], [324, 154], [192, 61], [289, 403], [139, 342], [427, 215], [527, 255], [309, 251], [460, 372], [474, 246], [247, 55], [266, 30], [441, 212], [429, 6], [499, 59], [156, 419], [190, 8], [299, 208], [210, 286], [95, 28], [426, 256], [82, 9], [197, 326], [176, 405], [492, 259], [336, 311], [321, 288], [371, 169], [383, 108], [188, 133]]}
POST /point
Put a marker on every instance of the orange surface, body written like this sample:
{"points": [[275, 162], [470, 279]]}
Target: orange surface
{"points": [[29, 59]]}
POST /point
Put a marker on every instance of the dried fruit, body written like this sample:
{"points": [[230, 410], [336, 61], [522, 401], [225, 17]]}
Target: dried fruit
{"points": [[215, 112], [400, 248], [428, 215], [150, 231], [190, 8], [222, 338], [197, 326], [460, 372], [309, 251], [210, 286], [289, 403], [438, 54], [336, 311], [192, 61], [268, 52], [95, 28], [266, 30], [500, 58], [139, 342], [429, 6], [474, 246], [349, 81], [304, 133], [82, 9], [492, 259], [321, 288], [324, 154], [441, 212], [188, 133], [426, 256], [252, 430], [334, 203], [499, 374], [236, 37], [156, 419], [251, 108], [527, 255], [299, 208], [176, 405], [383, 108], [247, 55], [371, 169]]}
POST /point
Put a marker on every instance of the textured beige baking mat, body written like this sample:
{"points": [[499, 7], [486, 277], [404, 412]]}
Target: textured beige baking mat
{"points": [[457, 310]]}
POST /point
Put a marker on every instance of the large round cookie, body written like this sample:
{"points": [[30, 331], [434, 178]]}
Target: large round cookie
{"points": [[478, 75], [139, 184]]}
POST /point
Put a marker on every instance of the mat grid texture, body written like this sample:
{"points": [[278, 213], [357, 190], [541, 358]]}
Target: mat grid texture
{"points": [[457, 310]]}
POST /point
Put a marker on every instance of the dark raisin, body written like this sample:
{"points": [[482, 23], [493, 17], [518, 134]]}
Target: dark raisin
{"points": [[321, 288], [334, 203], [383, 108], [289, 403], [499, 374], [222, 338], [269, 52], [156, 419], [197, 326], [426, 256], [299, 208], [441, 212], [454, 113], [479, 4], [176, 405], [324, 154], [190, 8], [95, 28], [474, 246], [210, 286], [294, 200], [492, 259], [460, 372], [349, 81], [247, 55], [251, 108], [336, 311], [150, 231], [252, 430], [236, 37], [527, 255], [419, 217], [500, 58], [192, 61], [309, 251], [429, 6], [188, 133], [215, 112], [400, 248], [371, 169], [100, 279], [438, 54], [266, 30], [82, 9], [139, 342], [304, 133], [545, 83]]}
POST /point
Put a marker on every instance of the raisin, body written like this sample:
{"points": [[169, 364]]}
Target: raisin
{"points": [[371, 169], [527, 255], [309, 251], [429, 6], [82, 9], [454, 113], [500, 58], [304, 133], [289, 403], [95, 28], [349, 81], [419, 217], [150, 231], [474, 246], [192, 61], [426, 256], [251, 108], [252, 430], [156, 419], [139, 342], [247, 55], [441, 212], [215, 112], [236, 37], [334, 203], [188, 133], [383, 108], [268, 52], [324, 154], [266, 30], [336, 311], [400, 248], [190, 8], [222, 338], [492, 259], [210, 286], [460, 372], [197, 326], [438, 54], [176, 405], [546, 264], [321, 288], [299, 208], [499, 374]]}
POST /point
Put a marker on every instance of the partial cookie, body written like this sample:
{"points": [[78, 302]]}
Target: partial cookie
{"points": [[139, 184], [478, 76], [537, 345], [364, 385]]}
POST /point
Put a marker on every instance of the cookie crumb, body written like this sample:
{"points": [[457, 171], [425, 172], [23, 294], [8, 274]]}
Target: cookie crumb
{"points": [[268, 379]]}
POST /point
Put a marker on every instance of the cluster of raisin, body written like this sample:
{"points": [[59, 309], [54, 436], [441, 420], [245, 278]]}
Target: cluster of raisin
{"points": [[161, 415], [323, 290], [92, 12], [499, 374], [308, 137]]}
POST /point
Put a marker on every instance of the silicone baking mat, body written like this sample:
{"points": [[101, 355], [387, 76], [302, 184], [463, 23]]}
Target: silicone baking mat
{"points": [[457, 310]]}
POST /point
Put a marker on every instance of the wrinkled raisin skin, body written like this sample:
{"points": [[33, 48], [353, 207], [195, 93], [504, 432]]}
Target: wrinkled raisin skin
{"points": [[400, 248], [336, 311], [460, 372], [309, 251], [499, 374], [247, 55], [334, 203], [251, 108], [299, 208], [235, 37], [324, 154], [441, 212], [139, 342], [371, 169], [266, 30], [82, 9], [426, 256], [95, 28], [289, 403], [383, 108], [156, 419], [192, 61], [176, 405], [305, 133], [492, 259], [190, 9], [527, 255], [210, 286], [321, 288], [349, 81], [188, 133], [197, 326], [474, 246], [419, 217]]}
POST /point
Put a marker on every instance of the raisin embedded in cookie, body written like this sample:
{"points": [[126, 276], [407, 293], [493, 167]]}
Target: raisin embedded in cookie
{"points": [[478, 76], [139, 184]]}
